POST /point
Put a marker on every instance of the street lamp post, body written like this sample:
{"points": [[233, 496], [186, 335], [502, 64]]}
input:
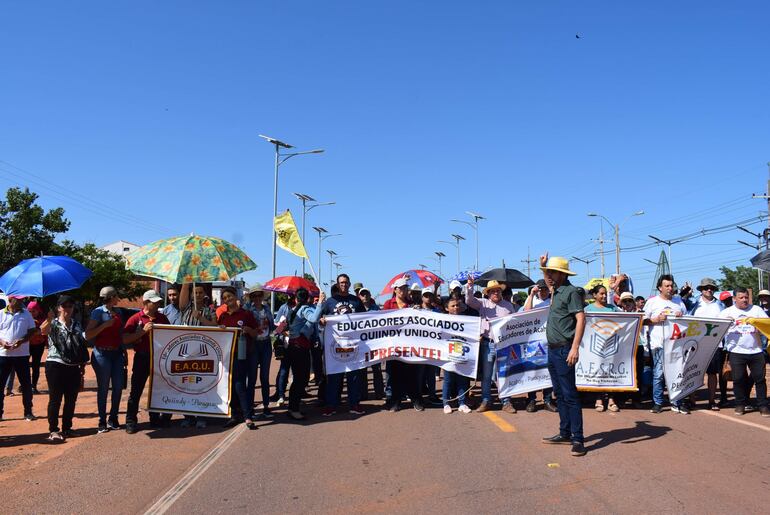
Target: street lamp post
{"points": [[331, 262], [455, 244], [440, 256], [475, 225], [279, 160], [587, 263], [617, 237], [322, 235], [305, 210]]}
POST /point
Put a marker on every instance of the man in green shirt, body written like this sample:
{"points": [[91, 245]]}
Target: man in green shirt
{"points": [[564, 330]]}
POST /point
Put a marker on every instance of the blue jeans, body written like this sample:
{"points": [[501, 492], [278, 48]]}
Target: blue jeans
{"points": [[334, 386], [108, 367], [658, 379], [263, 350], [487, 357], [567, 396], [282, 380], [455, 384]]}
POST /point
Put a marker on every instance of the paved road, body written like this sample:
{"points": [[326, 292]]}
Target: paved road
{"points": [[416, 462]]}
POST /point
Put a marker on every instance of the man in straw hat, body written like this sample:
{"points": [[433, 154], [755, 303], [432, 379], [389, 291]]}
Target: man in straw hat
{"points": [[564, 330], [492, 306]]}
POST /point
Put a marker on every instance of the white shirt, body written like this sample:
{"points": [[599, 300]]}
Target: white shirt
{"points": [[660, 332], [537, 302], [707, 309], [14, 326], [743, 338]]}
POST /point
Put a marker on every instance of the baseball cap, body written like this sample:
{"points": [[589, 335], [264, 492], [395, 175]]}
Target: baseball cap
{"points": [[725, 295], [398, 283], [18, 297], [362, 290], [427, 290], [455, 284], [626, 295], [65, 299], [541, 283], [415, 287], [152, 296]]}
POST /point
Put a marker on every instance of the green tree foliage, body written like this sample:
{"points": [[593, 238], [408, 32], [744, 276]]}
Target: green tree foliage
{"points": [[740, 276], [107, 268], [26, 229]]}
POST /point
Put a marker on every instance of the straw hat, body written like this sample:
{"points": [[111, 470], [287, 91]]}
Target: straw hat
{"points": [[493, 285], [558, 264], [762, 293]]}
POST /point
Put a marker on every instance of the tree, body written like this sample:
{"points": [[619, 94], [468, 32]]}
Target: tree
{"points": [[107, 268], [741, 276], [26, 229]]}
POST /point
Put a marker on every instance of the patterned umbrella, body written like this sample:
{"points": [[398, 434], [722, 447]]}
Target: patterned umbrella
{"points": [[422, 277], [189, 259], [290, 284], [463, 276]]}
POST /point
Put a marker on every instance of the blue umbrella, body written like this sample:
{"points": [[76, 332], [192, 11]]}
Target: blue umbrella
{"points": [[463, 276], [45, 275]]}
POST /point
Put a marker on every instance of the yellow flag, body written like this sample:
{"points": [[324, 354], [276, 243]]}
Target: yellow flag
{"points": [[763, 324], [287, 235]]}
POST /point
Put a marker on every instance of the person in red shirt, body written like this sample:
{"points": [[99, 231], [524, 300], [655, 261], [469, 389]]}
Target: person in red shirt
{"points": [[244, 369], [37, 343], [137, 331], [404, 377]]}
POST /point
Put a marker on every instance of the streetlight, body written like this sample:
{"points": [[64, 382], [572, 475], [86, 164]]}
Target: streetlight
{"points": [[331, 261], [338, 266], [305, 199], [587, 262], [279, 160], [617, 237], [322, 235], [455, 244], [475, 225], [440, 256], [669, 243]]}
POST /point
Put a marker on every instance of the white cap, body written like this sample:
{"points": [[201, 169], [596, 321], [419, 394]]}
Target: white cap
{"points": [[398, 283], [415, 287], [152, 296], [427, 290], [455, 284]]}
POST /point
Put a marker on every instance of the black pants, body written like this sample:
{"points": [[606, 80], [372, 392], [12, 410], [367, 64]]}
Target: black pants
{"points": [[36, 353], [405, 380], [299, 363], [20, 365], [756, 367], [139, 374], [63, 382]]}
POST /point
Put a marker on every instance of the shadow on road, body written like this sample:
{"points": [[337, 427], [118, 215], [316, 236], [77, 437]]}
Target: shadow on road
{"points": [[642, 431]]}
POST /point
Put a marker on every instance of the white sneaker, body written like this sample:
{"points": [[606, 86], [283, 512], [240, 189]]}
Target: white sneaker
{"points": [[447, 409], [674, 409], [464, 409], [280, 402]]}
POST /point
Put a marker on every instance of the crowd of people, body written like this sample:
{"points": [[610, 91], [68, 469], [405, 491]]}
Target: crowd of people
{"points": [[294, 335]]}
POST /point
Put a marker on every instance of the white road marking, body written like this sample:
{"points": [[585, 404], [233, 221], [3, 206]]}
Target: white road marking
{"points": [[736, 420], [175, 492]]}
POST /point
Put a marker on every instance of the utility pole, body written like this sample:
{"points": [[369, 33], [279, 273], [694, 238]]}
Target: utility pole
{"points": [[766, 196], [528, 261], [601, 245], [587, 263]]}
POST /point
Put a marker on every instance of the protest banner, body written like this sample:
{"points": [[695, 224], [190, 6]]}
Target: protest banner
{"points": [[521, 352], [607, 359], [358, 340], [191, 370], [687, 351]]}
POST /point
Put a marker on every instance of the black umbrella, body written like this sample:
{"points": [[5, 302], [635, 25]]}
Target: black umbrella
{"points": [[762, 260], [511, 277]]}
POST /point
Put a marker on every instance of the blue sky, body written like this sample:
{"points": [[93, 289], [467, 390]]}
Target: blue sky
{"points": [[141, 120]]}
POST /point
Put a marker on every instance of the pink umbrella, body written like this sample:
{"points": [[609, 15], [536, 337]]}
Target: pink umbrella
{"points": [[290, 284], [422, 277]]}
